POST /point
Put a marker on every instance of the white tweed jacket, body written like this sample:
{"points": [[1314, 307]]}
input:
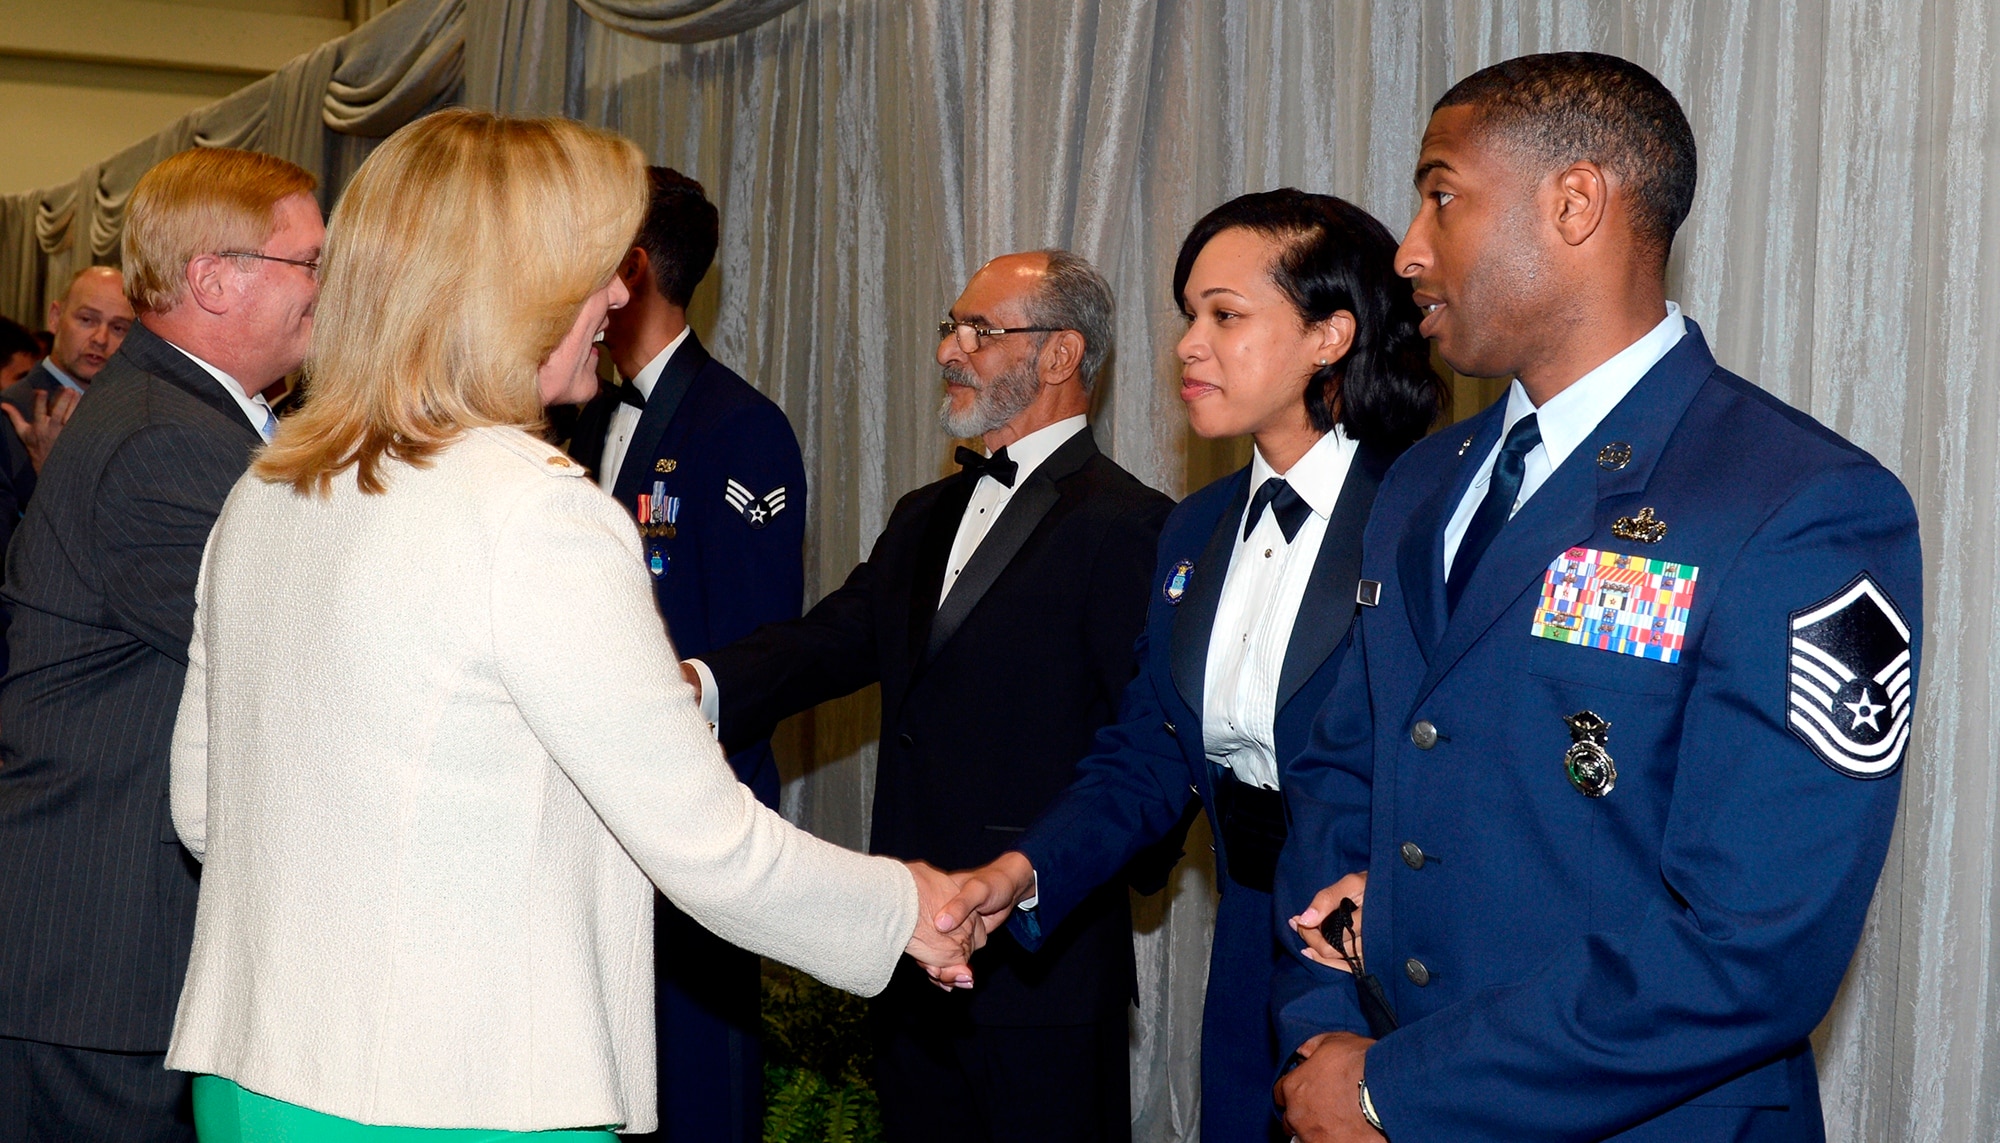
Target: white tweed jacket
{"points": [[432, 746]]}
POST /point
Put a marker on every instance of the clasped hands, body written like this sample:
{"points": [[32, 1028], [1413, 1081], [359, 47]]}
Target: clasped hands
{"points": [[958, 911]]}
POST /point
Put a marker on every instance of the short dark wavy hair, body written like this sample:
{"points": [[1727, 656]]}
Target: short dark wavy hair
{"points": [[1335, 256], [1565, 107], [679, 234], [17, 338]]}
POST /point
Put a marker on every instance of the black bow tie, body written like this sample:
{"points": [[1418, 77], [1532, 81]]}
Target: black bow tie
{"points": [[997, 466], [1286, 504], [629, 393]]}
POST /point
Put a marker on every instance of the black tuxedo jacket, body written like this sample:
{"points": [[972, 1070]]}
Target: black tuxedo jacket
{"points": [[987, 701], [97, 894]]}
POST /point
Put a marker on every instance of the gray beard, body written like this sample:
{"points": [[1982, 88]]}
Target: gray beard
{"points": [[995, 403]]}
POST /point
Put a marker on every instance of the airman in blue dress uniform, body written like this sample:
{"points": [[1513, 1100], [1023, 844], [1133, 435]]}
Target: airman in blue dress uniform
{"points": [[1618, 751], [710, 471]]}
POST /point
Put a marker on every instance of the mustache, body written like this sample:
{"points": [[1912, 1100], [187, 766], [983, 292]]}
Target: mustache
{"points": [[959, 375]]}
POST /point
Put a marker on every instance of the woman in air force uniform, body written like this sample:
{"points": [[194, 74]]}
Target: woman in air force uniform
{"points": [[1300, 336]]}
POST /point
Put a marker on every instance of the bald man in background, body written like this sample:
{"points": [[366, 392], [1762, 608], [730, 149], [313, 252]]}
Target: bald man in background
{"points": [[89, 321]]}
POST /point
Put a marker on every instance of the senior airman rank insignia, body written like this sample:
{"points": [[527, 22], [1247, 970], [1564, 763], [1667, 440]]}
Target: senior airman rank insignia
{"points": [[1851, 681], [1177, 581], [757, 510]]}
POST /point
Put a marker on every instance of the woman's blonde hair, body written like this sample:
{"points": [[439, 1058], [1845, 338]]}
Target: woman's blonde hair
{"points": [[455, 263], [200, 202]]}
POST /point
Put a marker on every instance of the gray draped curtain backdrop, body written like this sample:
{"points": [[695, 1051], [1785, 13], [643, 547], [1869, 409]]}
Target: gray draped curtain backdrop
{"points": [[867, 155]]}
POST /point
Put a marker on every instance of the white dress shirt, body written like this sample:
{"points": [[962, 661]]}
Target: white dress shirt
{"points": [[625, 418], [255, 408], [1261, 593], [990, 497], [1566, 420]]}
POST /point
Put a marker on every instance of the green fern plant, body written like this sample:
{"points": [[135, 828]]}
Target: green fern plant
{"points": [[818, 1063]]}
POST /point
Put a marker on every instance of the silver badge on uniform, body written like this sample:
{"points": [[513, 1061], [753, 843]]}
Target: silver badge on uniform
{"points": [[1851, 681], [1587, 761]]}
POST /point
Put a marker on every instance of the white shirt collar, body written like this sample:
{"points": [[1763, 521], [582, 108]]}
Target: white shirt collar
{"points": [[1030, 451], [1316, 477], [649, 376], [1570, 416], [60, 374], [253, 407]]}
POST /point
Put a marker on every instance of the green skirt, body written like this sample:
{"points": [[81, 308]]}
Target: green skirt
{"points": [[226, 1113]]}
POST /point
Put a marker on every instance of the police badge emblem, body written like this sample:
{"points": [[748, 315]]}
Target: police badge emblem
{"points": [[1177, 581], [1587, 761], [1851, 681]]}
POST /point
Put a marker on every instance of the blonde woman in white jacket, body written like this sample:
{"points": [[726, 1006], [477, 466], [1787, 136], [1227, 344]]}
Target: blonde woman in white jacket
{"points": [[430, 826]]}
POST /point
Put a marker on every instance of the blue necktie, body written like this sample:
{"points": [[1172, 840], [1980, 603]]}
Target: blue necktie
{"points": [[1495, 510], [270, 427]]}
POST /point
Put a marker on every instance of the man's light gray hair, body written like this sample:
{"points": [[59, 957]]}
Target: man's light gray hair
{"points": [[1075, 296]]}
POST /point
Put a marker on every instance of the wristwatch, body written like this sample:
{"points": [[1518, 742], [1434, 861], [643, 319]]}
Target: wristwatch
{"points": [[1368, 1109]]}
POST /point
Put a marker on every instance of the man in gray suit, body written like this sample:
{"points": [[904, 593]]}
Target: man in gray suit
{"points": [[221, 251]]}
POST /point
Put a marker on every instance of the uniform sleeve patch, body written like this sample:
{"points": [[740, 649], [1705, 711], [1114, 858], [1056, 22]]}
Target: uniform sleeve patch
{"points": [[1851, 687], [756, 510]]}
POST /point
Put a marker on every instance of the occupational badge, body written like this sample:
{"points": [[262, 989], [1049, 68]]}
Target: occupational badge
{"points": [[1587, 761], [1614, 456], [1616, 602], [656, 562], [1643, 528], [757, 510], [664, 466], [1177, 581], [1850, 692]]}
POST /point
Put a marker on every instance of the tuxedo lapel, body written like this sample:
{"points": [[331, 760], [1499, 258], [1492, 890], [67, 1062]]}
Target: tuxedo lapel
{"points": [[1328, 608], [1420, 554], [932, 553], [1024, 512], [1564, 511], [1194, 619], [661, 404]]}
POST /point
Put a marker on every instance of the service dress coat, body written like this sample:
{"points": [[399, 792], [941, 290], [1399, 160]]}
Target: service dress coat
{"points": [[432, 818], [1144, 771], [713, 479], [1591, 932]]}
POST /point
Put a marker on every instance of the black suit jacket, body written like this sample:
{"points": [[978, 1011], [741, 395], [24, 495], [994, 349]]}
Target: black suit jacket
{"points": [[97, 893], [987, 701]]}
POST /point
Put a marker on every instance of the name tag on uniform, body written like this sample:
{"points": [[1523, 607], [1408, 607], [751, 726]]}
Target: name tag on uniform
{"points": [[1615, 602]]}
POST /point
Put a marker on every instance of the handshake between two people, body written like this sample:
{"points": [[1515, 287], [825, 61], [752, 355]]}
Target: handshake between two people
{"points": [[956, 912]]}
